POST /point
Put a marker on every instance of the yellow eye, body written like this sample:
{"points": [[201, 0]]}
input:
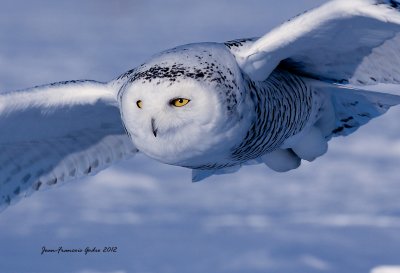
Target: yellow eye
{"points": [[139, 104], [179, 102]]}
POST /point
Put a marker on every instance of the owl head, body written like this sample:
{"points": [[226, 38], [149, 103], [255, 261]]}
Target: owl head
{"points": [[186, 105]]}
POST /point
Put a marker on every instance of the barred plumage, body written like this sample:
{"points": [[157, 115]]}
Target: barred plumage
{"points": [[283, 104]]}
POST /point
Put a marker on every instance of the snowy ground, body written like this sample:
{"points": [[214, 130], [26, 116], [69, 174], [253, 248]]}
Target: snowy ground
{"points": [[338, 214]]}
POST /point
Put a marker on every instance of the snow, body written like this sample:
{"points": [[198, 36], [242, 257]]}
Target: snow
{"points": [[340, 213], [386, 269]]}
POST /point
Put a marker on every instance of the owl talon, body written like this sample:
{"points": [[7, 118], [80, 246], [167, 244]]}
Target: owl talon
{"points": [[281, 160], [312, 145]]}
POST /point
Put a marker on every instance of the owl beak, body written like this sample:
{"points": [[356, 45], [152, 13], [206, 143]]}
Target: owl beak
{"points": [[153, 127]]}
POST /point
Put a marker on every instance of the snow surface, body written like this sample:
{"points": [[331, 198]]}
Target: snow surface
{"points": [[386, 269], [340, 213]]}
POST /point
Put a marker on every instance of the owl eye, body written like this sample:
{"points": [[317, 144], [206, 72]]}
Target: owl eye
{"points": [[179, 102], [139, 104]]}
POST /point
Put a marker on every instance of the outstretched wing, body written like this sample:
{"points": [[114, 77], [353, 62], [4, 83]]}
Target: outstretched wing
{"points": [[55, 133], [343, 41]]}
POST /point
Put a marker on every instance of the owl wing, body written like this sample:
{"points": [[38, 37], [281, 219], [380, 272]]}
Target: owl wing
{"points": [[343, 41], [349, 50], [55, 133]]}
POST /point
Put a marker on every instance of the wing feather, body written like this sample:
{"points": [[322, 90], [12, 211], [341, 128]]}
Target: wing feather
{"points": [[342, 41], [56, 133]]}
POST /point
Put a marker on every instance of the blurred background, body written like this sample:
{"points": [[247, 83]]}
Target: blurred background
{"points": [[338, 214]]}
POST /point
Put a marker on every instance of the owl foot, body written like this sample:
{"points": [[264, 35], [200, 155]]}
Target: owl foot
{"points": [[312, 145], [281, 160]]}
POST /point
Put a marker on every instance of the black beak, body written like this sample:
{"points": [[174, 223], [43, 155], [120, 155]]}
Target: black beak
{"points": [[153, 127]]}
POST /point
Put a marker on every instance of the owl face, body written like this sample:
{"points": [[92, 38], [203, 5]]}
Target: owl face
{"points": [[183, 113], [172, 123]]}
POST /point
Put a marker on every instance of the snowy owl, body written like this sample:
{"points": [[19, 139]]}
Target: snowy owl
{"points": [[212, 107]]}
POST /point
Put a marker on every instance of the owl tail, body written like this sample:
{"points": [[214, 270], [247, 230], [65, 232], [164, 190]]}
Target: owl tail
{"points": [[346, 108]]}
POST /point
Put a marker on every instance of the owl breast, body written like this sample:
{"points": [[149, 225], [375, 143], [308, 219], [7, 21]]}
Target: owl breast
{"points": [[283, 105]]}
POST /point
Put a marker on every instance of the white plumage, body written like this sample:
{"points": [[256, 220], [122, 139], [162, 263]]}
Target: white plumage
{"points": [[212, 107]]}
